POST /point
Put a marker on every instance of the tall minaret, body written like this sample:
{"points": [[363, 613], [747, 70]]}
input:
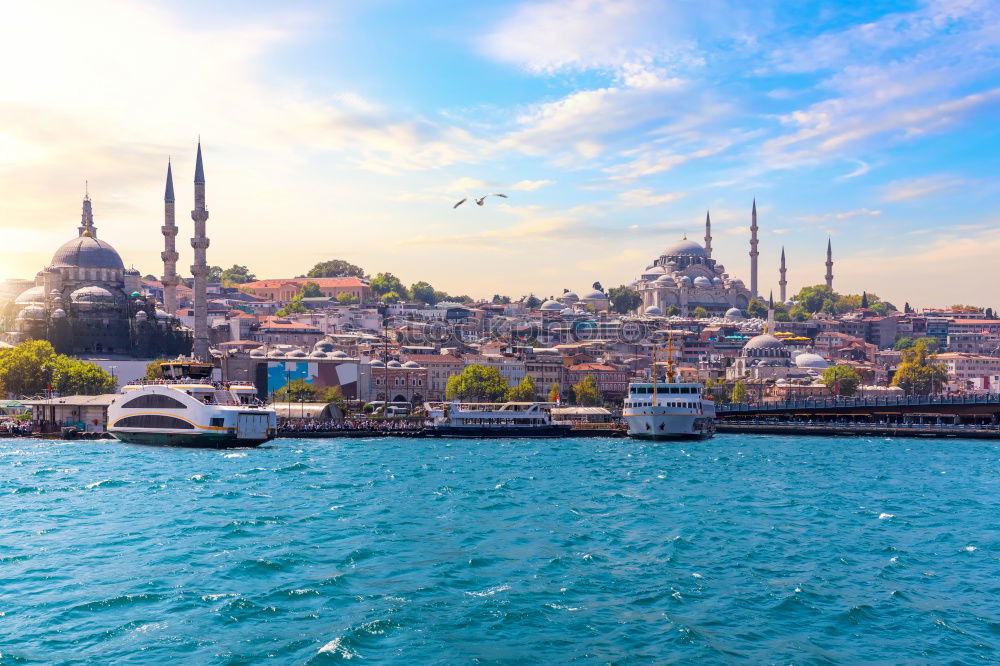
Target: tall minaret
{"points": [[708, 235], [783, 283], [753, 250], [169, 254], [770, 314], [829, 264], [87, 227], [200, 268]]}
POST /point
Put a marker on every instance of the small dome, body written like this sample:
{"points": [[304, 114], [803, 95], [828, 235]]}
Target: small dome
{"points": [[318, 354], [569, 296], [274, 353], [736, 282], [135, 294], [654, 311], [297, 353], [653, 272], [411, 364], [33, 295], [58, 313], [257, 353], [161, 314], [338, 354], [814, 361], [789, 302], [567, 311], [394, 364], [685, 248], [92, 294], [685, 281], [595, 296], [32, 312], [141, 315], [716, 281], [702, 282], [665, 281], [87, 252], [550, 306], [633, 285], [323, 346], [734, 314], [377, 364]]}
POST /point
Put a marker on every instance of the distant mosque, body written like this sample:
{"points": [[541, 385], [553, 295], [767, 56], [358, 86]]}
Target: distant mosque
{"points": [[685, 276], [86, 302]]}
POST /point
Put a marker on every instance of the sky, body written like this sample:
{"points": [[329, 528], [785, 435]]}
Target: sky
{"points": [[349, 129]]}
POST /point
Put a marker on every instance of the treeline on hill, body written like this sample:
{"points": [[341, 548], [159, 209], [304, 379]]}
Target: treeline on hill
{"points": [[32, 367], [483, 383]]}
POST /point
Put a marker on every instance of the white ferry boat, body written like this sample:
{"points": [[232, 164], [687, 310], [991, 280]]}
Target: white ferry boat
{"points": [[668, 409], [492, 419], [186, 408]]}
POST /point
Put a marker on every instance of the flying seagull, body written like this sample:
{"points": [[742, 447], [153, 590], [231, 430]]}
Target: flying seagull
{"points": [[480, 200]]}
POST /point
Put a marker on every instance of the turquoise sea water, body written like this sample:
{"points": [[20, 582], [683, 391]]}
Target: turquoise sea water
{"points": [[740, 549]]}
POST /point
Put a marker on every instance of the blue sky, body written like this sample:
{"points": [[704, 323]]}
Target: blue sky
{"points": [[348, 129]]}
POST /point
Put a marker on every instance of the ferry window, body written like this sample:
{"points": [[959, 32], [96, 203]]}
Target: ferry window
{"points": [[153, 421], [154, 401], [217, 422]]}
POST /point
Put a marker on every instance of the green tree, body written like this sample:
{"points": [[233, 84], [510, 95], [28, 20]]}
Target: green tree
{"points": [[598, 287], [798, 313], [525, 391], [346, 298], [383, 283], [532, 302], [500, 300], [700, 312], [814, 298], [334, 395], [477, 383], [920, 373], [335, 268], [904, 343], [739, 393], [553, 392], [214, 274], [391, 297], [71, 376], [310, 290], [154, 369], [27, 368], [586, 392], [294, 306], [623, 299], [672, 311], [297, 390], [757, 308], [237, 274], [422, 292], [842, 379]]}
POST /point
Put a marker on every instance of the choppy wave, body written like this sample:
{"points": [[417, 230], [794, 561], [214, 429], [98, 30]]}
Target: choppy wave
{"points": [[740, 549]]}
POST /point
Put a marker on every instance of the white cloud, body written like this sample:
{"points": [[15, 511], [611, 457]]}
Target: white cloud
{"points": [[648, 197], [530, 185], [915, 188]]}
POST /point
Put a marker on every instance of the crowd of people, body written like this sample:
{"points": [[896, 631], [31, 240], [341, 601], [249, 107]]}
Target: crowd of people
{"points": [[10, 427], [349, 424]]}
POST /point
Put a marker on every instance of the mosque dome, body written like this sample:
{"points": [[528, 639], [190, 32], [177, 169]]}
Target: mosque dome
{"points": [[685, 281], [58, 313], [394, 364], [702, 282], [654, 311], [734, 314], [377, 364], [653, 272], [566, 311], [717, 281], [338, 354], [411, 364], [595, 296], [298, 353], [141, 315], [551, 306], [257, 353], [569, 296], [814, 361], [318, 354], [32, 312], [685, 248], [87, 252], [92, 294], [33, 295], [665, 281], [763, 343], [789, 302], [323, 346]]}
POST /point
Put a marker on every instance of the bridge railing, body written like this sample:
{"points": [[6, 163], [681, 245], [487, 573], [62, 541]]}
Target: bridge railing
{"points": [[842, 402]]}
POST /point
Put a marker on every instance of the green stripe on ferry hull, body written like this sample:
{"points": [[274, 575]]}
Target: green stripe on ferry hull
{"points": [[200, 441]]}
